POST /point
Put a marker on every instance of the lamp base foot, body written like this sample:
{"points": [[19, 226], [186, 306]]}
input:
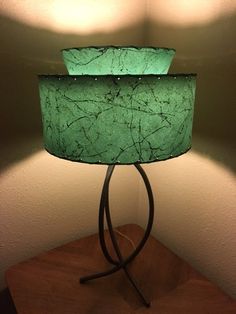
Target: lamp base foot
{"points": [[85, 279]]}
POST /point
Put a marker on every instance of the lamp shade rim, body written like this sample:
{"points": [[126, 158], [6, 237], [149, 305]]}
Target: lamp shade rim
{"points": [[72, 77], [118, 47], [117, 162]]}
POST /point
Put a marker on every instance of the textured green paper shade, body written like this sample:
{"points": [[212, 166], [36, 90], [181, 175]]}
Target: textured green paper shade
{"points": [[117, 60], [117, 119]]}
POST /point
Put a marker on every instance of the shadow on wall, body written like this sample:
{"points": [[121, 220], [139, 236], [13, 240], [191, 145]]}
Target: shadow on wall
{"points": [[207, 50], [6, 303]]}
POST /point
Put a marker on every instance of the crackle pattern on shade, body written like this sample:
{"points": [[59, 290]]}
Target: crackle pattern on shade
{"points": [[110, 119], [117, 61]]}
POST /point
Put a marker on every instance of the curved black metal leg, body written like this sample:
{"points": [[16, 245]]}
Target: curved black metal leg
{"points": [[104, 198], [121, 263], [118, 252]]}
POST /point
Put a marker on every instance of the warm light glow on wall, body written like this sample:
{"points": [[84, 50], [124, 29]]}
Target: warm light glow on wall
{"points": [[189, 12], [75, 16]]}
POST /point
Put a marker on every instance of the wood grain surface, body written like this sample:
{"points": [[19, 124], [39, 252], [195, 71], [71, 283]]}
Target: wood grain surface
{"points": [[49, 282]]}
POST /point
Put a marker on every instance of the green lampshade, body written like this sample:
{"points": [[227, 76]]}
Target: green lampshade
{"points": [[113, 119], [117, 106], [117, 60]]}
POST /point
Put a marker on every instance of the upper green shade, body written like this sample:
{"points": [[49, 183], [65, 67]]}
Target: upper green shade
{"points": [[112, 119], [117, 60]]}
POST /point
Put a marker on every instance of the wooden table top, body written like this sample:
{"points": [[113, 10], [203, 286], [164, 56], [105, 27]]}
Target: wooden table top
{"points": [[49, 282]]}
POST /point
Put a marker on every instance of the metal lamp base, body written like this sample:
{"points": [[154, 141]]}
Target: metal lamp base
{"points": [[104, 211]]}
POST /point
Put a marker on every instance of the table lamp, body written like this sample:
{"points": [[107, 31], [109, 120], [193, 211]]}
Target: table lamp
{"points": [[117, 106]]}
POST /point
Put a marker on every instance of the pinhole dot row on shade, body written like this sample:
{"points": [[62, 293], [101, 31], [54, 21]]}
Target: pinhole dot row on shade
{"points": [[65, 77]]}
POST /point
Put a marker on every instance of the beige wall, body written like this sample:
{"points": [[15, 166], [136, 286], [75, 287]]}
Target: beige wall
{"points": [[46, 201], [196, 193], [195, 213]]}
